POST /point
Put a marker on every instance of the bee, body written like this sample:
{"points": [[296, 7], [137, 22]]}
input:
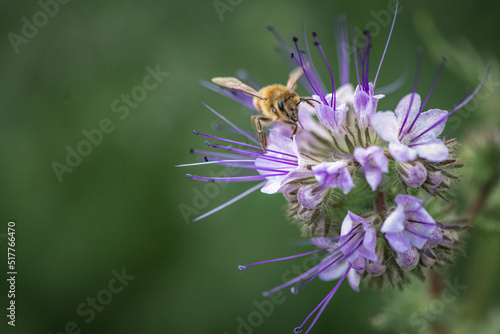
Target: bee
{"points": [[275, 102]]}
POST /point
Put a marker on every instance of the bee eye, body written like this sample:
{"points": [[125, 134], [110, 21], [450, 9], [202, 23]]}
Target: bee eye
{"points": [[281, 105]]}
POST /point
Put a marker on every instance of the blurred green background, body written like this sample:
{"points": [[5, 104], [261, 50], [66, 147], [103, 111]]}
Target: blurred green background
{"points": [[118, 208]]}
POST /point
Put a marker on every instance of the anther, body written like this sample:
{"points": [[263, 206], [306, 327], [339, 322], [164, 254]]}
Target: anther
{"points": [[196, 132], [240, 267], [189, 176]]}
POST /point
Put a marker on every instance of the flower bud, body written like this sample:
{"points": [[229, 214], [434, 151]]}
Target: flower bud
{"points": [[408, 260], [435, 238], [435, 178], [412, 173]]}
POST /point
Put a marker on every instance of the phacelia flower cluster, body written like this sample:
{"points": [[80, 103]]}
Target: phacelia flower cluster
{"points": [[358, 180]]}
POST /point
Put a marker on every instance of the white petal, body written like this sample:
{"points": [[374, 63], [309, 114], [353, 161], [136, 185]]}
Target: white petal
{"points": [[434, 150], [353, 278], [385, 124], [401, 152], [403, 108], [394, 223]]}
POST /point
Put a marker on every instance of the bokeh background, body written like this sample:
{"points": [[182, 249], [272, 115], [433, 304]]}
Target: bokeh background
{"points": [[118, 209]]}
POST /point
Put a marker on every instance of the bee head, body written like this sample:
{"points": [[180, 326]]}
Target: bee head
{"points": [[289, 106]]}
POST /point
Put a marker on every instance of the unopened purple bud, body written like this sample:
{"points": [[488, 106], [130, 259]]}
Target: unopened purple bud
{"points": [[412, 173], [435, 238], [290, 192], [408, 260], [435, 178], [427, 257], [447, 239], [376, 268]]}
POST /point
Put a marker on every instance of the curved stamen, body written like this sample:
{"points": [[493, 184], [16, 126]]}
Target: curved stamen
{"points": [[387, 43]]}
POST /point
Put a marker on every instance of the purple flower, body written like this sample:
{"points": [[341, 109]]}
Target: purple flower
{"points": [[408, 225], [280, 150], [345, 257], [411, 132], [357, 243], [334, 175], [374, 163], [332, 118], [365, 104]]}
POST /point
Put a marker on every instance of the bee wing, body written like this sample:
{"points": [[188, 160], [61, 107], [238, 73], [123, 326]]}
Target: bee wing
{"points": [[234, 83], [294, 77]]}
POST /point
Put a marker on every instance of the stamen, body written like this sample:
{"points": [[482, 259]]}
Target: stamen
{"points": [[242, 144], [285, 258], [257, 155], [233, 179], [339, 257], [356, 58], [333, 102], [315, 76], [217, 154], [240, 196], [322, 304], [307, 73], [243, 133], [411, 230], [387, 43], [419, 222], [365, 65], [414, 91], [293, 281], [468, 98], [436, 77], [458, 106], [280, 39], [342, 49]]}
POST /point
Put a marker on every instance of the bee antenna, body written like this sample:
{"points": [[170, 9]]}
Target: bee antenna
{"points": [[301, 125]]}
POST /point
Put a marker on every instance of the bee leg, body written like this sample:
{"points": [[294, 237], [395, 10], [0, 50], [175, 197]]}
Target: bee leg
{"points": [[295, 127], [256, 122]]}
